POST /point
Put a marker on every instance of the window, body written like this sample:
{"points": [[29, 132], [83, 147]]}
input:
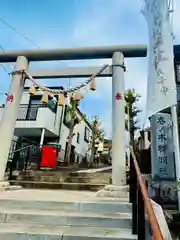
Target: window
{"points": [[78, 137], [35, 100], [87, 134], [27, 112]]}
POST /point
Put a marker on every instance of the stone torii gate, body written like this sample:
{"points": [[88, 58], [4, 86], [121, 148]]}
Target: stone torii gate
{"points": [[22, 59]]}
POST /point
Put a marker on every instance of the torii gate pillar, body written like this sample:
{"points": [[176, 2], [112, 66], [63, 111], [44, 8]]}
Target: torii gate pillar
{"points": [[10, 114], [118, 121]]}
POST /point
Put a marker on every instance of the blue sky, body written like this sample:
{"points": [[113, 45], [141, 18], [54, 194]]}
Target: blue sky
{"points": [[75, 23]]}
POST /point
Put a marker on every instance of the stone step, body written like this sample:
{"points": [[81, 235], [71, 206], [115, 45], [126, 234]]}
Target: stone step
{"points": [[120, 194], [112, 199], [114, 188], [63, 173], [88, 179], [58, 185], [43, 232], [67, 218], [86, 175], [96, 204], [101, 178]]}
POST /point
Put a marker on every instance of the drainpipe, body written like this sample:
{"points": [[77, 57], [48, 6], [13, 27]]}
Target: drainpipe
{"points": [[42, 137]]}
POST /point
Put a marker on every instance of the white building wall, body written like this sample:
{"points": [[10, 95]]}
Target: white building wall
{"points": [[63, 136], [82, 147]]}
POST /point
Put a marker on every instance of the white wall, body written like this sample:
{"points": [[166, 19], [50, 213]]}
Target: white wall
{"points": [[82, 147], [63, 136]]}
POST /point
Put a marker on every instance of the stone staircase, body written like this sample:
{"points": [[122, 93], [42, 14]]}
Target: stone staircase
{"points": [[62, 180], [76, 177], [52, 218]]}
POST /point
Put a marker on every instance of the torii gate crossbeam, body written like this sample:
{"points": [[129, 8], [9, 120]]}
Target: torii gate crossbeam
{"points": [[129, 51]]}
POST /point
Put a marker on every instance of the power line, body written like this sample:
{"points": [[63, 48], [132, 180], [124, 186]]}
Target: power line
{"points": [[18, 32], [4, 68], [2, 65]]}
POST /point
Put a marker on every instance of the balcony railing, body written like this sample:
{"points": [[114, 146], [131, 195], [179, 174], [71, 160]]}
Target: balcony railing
{"points": [[29, 112]]}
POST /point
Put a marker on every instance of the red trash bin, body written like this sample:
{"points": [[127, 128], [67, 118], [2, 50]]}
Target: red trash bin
{"points": [[48, 156]]}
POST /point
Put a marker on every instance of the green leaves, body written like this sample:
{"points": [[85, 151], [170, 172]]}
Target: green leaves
{"points": [[83, 116], [131, 96], [132, 111]]}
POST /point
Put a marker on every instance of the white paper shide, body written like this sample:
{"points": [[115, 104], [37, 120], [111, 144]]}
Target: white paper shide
{"points": [[161, 88]]}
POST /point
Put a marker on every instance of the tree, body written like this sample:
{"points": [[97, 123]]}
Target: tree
{"points": [[97, 137], [132, 111], [74, 119]]}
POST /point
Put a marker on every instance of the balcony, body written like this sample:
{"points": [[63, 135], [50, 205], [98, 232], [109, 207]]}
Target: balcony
{"points": [[32, 118], [28, 113]]}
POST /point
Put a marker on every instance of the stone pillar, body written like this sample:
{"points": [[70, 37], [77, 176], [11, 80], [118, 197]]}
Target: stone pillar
{"points": [[42, 137], [10, 113], [118, 121]]}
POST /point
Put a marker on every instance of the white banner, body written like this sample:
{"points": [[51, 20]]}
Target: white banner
{"points": [[161, 87]]}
